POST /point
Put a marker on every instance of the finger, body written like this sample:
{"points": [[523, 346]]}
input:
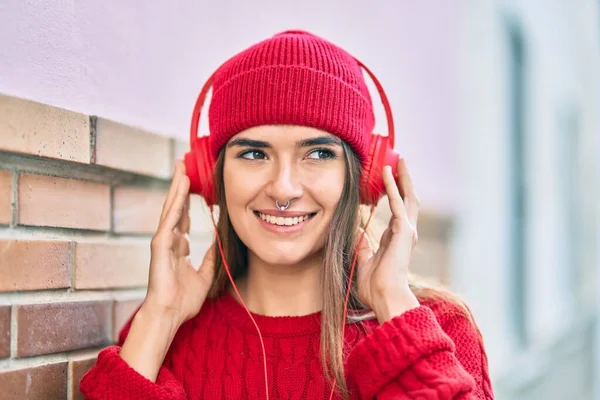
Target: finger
{"points": [[175, 212], [394, 198], [184, 222], [407, 190], [182, 248], [365, 252], [400, 248], [173, 188], [383, 246], [207, 268], [171, 192], [387, 234]]}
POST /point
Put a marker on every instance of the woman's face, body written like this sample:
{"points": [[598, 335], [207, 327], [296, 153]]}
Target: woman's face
{"points": [[272, 163]]}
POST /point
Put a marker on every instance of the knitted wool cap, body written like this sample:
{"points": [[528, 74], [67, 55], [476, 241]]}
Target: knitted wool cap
{"points": [[293, 78]]}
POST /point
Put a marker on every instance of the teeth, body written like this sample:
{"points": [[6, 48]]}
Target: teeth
{"points": [[283, 221]]}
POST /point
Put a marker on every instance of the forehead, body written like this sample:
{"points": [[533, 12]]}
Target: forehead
{"points": [[282, 134]]}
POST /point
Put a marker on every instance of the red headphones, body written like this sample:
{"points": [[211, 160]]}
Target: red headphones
{"points": [[200, 164]]}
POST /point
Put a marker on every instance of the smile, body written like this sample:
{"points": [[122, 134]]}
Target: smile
{"points": [[284, 221]]}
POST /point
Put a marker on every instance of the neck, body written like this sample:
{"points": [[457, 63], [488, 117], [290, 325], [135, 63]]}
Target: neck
{"points": [[282, 290]]}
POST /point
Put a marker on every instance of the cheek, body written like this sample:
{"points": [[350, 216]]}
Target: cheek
{"points": [[239, 187], [239, 191], [327, 187]]}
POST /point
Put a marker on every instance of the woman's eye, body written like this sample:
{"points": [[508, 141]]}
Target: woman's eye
{"points": [[321, 154], [253, 155]]}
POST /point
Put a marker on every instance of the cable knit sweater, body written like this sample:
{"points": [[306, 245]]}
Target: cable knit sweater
{"points": [[430, 352]]}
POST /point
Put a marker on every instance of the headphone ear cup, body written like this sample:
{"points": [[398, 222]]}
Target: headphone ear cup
{"points": [[191, 170], [366, 193], [199, 168], [381, 153]]}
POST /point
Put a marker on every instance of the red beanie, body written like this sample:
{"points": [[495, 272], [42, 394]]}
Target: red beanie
{"points": [[293, 78]]}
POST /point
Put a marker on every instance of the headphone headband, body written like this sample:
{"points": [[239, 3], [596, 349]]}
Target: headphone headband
{"points": [[198, 109], [384, 100], [208, 84]]}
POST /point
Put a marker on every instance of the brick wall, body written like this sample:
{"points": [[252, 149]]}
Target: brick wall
{"points": [[79, 201]]}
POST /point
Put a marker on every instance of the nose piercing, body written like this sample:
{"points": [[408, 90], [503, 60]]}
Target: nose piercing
{"points": [[282, 208]]}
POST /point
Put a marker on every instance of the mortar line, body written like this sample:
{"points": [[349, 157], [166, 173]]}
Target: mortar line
{"points": [[93, 133], [13, 331], [14, 198]]}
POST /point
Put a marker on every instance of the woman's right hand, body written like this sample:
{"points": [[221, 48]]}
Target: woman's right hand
{"points": [[176, 291], [175, 288]]}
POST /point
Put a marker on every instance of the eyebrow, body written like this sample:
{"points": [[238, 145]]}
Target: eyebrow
{"points": [[241, 142], [318, 141]]}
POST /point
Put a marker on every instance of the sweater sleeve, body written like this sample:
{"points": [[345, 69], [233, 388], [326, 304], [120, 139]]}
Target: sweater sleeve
{"points": [[112, 378], [413, 357]]}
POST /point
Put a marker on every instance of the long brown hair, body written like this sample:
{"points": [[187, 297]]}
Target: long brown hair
{"points": [[339, 250]]}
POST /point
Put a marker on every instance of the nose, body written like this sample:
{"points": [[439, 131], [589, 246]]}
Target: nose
{"points": [[285, 184]]}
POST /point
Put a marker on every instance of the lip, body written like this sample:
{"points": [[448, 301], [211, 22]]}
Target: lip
{"points": [[284, 229], [289, 214]]}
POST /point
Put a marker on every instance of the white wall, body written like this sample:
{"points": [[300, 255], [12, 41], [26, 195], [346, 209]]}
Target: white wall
{"points": [[562, 63], [143, 63]]}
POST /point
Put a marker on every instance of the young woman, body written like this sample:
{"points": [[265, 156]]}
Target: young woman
{"points": [[311, 310]]}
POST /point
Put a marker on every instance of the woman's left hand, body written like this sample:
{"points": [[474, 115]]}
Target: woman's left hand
{"points": [[383, 277]]}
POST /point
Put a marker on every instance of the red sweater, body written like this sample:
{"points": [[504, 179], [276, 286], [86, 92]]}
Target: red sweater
{"points": [[431, 352]]}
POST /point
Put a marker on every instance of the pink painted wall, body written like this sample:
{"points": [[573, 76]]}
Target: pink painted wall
{"points": [[143, 63]]}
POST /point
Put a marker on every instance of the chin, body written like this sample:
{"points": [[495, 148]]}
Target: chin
{"points": [[283, 253]]}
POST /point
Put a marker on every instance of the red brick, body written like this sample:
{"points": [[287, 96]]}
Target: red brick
{"points": [[78, 370], [57, 327], [38, 129], [34, 264], [137, 210], [122, 311], [60, 202], [5, 196], [46, 382], [111, 265], [129, 149], [4, 331]]}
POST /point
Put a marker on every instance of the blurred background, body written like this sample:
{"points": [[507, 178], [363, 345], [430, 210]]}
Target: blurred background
{"points": [[497, 111]]}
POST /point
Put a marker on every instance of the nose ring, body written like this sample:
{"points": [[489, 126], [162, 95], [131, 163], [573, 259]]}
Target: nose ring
{"points": [[282, 208]]}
